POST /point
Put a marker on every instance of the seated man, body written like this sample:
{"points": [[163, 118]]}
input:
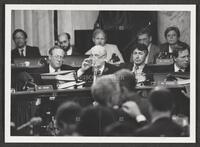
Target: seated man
{"points": [[139, 68], [145, 37], [181, 57], [22, 49], [113, 54], [54, 64], [64, 43], [95, 65], [161, 106]]}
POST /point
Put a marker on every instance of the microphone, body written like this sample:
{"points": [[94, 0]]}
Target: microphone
{"points": [[33, 121]]}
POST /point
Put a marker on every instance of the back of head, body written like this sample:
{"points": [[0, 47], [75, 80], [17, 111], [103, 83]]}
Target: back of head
{"points": [[126, 79], [106, 90], [94, 120], [161, 99], [67, 113]]}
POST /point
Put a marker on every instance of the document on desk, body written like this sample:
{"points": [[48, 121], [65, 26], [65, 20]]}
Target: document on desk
{"points": [[183, 81], [67, 75]]}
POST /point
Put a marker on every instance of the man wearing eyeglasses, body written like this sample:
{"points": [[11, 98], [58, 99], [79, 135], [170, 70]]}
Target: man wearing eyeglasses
{"points": [[96, 65]]}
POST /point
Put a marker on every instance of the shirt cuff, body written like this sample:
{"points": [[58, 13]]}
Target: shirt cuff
{"points": [[140, 118], [79, 73]]}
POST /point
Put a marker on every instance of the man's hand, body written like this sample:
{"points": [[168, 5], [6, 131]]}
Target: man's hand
{"points": [[87, 63], [131, 108]]}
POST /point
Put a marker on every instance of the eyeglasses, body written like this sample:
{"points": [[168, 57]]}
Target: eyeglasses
{"points": [[58, 57]]}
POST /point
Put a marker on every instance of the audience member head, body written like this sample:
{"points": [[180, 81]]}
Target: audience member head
{"points": [[172, 35], [64, 41], [181, 56], [139, 52], [106, 91], [98, 55], [56, 56], [161, 101], [144, 37], [67, 117], [126, 79], [20, 38], [94, 120], [99, 37]]}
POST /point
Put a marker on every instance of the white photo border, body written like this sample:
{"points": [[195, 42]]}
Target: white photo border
{"points": [[129, 7]]}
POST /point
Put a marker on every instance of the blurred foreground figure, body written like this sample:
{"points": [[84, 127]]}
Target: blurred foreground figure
{"points": [[67, 117], [161, 106]]}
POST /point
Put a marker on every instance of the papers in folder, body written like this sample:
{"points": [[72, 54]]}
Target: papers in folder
{"points": [[67, 75]]}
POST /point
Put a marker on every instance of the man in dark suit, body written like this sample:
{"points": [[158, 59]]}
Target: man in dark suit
{"points": [[64, 43], [95, 65], [181, 57], [161, 105], [144, 37], [53, 64], [22, 49], [138, 67]]}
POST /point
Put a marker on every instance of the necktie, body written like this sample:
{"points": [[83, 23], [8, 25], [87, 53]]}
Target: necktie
{"points": [[22, 53], [180, 70]]}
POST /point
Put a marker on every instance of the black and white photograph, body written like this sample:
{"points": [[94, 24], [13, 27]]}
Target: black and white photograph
{"points": [[100, 73]]}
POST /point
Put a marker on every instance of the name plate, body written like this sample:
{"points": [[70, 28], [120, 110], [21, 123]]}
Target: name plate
{"points": [[44, 88]]}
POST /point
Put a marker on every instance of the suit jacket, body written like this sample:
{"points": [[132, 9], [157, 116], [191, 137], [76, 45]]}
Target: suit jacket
{"points": [[88, 75], [146, 70], [153, 54], [74, 51], [31, 52], [170, 68], [165, 46], [161, 127]]}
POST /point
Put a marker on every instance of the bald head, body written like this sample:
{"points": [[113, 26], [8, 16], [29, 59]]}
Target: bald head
{"points": [[98, 50], [64, 41]]}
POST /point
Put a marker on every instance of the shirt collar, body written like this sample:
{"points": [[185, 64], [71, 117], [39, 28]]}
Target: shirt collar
{"points": [[177, 69], [51, 69], [23, 48], [139, 67]]}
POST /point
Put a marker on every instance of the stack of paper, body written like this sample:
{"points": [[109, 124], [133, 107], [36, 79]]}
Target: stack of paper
{"points": [[67, 75]]}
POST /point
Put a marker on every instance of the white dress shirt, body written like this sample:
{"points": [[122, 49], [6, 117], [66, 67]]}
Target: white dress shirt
{"points": [[52, 70], [139, 75]]}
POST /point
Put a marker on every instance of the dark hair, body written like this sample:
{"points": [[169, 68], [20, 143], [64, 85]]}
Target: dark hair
{"points": [[98, 31], [68, 112], [17, 31], [54, 47], [161, 99], [173, 28], [144, 31], [94, 120], [180, 46], [141, 47], [126, 78]]}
